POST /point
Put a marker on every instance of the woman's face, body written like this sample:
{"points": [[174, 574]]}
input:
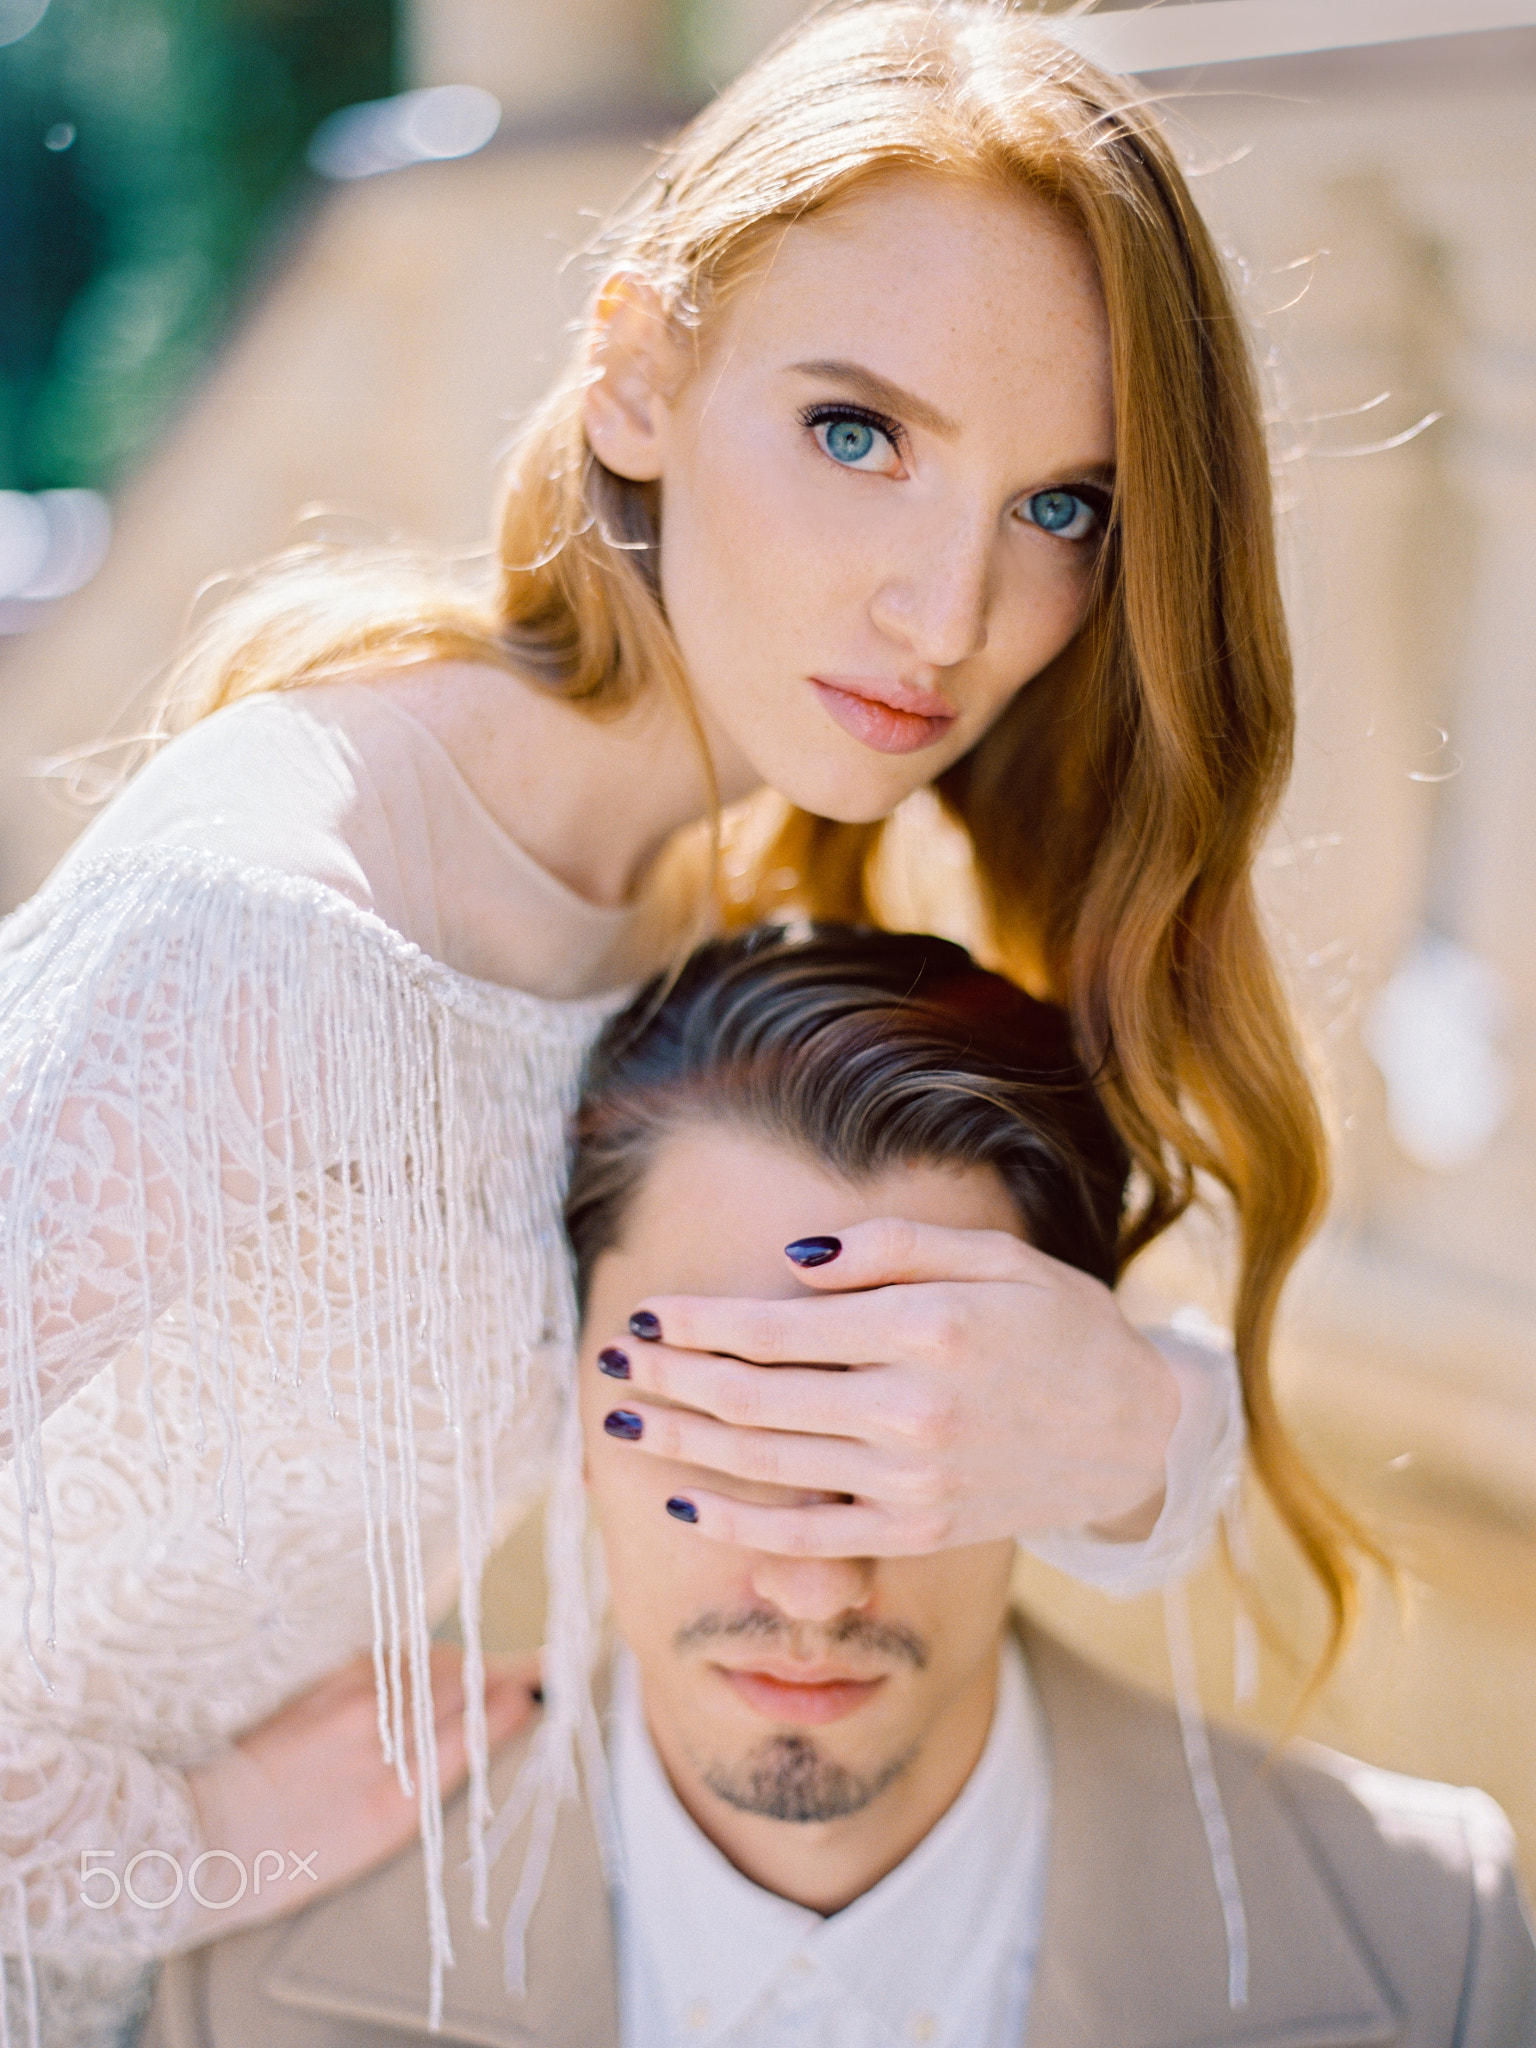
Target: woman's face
{"points": [[883, 484]]}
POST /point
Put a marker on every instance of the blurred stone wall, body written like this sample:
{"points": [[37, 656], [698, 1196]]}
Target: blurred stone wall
{"points": [[418, 315], [1400, 183]]}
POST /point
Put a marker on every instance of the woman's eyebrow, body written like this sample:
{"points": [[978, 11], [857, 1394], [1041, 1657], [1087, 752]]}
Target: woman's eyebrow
{"points": [[882, 395]]}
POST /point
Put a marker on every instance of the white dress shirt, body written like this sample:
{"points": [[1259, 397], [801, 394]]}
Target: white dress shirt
{"points": [[940, 1952]]}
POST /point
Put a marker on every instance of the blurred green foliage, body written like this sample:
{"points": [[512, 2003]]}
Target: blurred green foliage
{"points": [[143, 144]]}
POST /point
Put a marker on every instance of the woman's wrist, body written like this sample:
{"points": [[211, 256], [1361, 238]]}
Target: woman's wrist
{"points": [[1134, 1527], [224, 1852], [1202, 1467], [1160, 1402]]}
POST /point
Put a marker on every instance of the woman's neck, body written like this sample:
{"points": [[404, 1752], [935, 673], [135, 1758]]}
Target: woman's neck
{"points": [[593, 799]]}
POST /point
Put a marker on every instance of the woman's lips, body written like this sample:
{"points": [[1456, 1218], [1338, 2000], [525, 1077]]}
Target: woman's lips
{"points": [[900, 720], [807, 1705]]}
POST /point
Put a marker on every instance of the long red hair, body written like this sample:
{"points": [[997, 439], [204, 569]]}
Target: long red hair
{"points": [[1114, 812]]}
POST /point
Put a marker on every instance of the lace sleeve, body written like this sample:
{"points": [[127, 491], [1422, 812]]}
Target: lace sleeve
{"points": [[71, 1807], [109, 1017], [209, 1070], [130, 1090]]}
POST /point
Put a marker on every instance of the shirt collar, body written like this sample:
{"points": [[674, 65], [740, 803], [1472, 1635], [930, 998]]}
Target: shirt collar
{"points": [[709, 1939], [962, 1900], [895, 1949]]}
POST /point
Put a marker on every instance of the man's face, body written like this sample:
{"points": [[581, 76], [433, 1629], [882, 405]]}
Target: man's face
{"points": [[799, 1690]]}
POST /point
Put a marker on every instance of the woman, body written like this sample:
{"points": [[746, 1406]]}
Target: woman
{"points": [[911, 443]]}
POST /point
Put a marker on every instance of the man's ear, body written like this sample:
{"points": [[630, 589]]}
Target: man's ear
{"points": [[639, 362]]}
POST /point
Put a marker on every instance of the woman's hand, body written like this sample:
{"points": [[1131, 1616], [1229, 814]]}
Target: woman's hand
{"points": [[991, 1391], [306, 1799]]}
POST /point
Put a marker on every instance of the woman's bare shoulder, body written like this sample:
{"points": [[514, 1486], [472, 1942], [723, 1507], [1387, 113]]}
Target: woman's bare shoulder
{"points": [[483, 718], [272, 781], [328, 781], [453, 699]]}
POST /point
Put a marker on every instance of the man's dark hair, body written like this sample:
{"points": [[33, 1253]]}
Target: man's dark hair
{"points": [[867, 1050]]}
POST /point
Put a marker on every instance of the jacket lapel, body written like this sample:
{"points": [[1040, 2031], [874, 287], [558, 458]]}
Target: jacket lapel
{"points": [[1133, 1952], [362, 1957]]}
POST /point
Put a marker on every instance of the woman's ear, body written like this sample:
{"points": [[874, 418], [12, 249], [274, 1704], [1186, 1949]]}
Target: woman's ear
{"points": [[639, 361]]}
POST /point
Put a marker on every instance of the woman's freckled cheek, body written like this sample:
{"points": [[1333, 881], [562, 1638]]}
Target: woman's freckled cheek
{"points": [[760, 519]]}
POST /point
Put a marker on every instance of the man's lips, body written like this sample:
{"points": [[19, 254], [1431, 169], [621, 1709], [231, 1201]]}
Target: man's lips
{"points": [[808, 1703], [890, 717]]}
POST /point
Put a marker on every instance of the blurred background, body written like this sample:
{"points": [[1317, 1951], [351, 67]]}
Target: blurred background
{"points": [[258, 256]]}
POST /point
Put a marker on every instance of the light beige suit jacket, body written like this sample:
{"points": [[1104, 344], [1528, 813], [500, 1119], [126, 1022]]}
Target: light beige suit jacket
{"points": [[1381, 1910]]}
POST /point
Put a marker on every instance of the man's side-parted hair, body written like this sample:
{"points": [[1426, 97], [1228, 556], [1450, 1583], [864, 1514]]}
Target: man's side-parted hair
{"points": [[865, 1049]]}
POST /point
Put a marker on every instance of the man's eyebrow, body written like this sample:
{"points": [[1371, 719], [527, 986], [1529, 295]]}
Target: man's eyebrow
{"points": [[883, 396]]}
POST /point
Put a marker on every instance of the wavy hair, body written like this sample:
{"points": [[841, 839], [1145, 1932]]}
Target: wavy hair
{"points": [[1114, 811]]}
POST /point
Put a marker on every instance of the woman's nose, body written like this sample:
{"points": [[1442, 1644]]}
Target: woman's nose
{"points": [[813, 1589], [937, 603]]}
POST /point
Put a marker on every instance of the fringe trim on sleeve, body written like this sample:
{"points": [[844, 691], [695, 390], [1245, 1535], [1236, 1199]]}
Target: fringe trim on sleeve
{"points": [[264, 1049]]}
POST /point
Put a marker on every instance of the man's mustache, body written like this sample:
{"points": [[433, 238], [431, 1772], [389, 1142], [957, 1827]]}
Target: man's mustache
{"points": [[849, 1631]]}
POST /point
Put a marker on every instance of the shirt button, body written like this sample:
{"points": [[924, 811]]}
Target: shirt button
{"points": [[801, 1965], [924, 2028], [698, 2015]]}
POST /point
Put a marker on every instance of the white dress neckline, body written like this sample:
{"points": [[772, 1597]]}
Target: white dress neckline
{"points": [[460, 990], [604, 917], [339, 785]]}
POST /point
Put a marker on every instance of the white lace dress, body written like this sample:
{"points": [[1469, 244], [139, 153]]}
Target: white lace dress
{"points": [[287, 1047]]}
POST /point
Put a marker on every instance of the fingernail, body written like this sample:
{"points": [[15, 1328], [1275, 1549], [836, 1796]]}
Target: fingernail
{"points": [[623, 1422], [682, 1510], [645, 1326], [813, 1251], [613, 1362]]}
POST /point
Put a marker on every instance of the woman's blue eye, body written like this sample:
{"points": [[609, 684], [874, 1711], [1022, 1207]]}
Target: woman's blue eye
{"points": [[852, 441], [1063, 513]]}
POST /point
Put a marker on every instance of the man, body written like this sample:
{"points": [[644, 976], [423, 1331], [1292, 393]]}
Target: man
{"points": [[854, 1802]]}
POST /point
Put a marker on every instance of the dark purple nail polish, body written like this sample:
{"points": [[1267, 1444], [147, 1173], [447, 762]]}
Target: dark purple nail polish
{"points": [[813, 1251], [613, 1362], [645, 1326], [682, 1510], [623, 1422]]}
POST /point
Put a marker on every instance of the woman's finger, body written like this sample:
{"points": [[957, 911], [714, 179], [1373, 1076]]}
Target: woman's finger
{"points": [[898, 1408], [805, 1398], [854, 1529], [508, 1706], [889, 1250], [920, 1322], [514, 1672], [804, 1464]]}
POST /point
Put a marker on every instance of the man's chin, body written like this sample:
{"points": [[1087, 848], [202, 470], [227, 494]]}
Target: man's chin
{"points": [[790, 1778]]}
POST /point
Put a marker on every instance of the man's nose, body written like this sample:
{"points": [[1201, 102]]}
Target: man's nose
{"points": [[936, 603], [814, 1589]]}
